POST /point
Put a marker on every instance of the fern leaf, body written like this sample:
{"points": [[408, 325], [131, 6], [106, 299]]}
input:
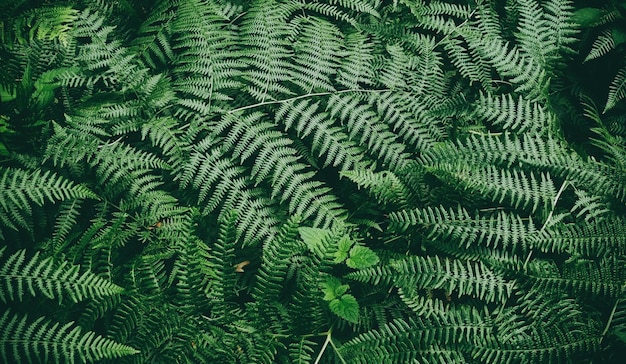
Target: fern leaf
{"points": [[36, 275], [42, 340], [363, 125], [153, 42], [356, 66], [534, 34], [604, 278], [549, 328], [269, 53], [277, 254], [418, 339], [65, 221], [385, 186], [518, 188], [410, 120], [617, 90], [602, 238], [315, 54], [601, 46], [20, 189], [508, 60], [326, 139], [498, 231], [465, 279], [514, 115], [559, 16], [206, 68]]}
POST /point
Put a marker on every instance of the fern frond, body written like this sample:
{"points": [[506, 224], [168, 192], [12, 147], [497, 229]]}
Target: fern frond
{"points": [[277, 254], [315, 54], [363, 126], [20, 189], [361, 6], [44, 341], [601, 46], [222, 261], [418, 339], [326, 138], [518, 188], [65, 222], [601, 238], [153, 42], [534, 34], [206, 66], [591, 207], [467, 63], [46, 23], [501, 230], [385, 186], [268, 51], [191, 282], [36, 275], [410, 120], [356, 66], [117, 63], [617, 90], [509, 61], [545, 154], [518, 115], [606, 277], [302, 351], [559, 20], [221, 183], [417, 73], [549, 328], [451, 275], [277, 161]]}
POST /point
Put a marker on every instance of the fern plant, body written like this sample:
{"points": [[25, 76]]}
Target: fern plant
{"points": [[281, 181]]}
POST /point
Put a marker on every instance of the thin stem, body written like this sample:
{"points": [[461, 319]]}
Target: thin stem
{"points": [[332, 343], [319, 356], [556, 199], [608, 323], [300, 97]]}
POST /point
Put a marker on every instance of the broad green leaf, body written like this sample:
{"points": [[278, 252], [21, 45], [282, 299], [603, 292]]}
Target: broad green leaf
{"points": [[345, 243], [345, 307], [333, 288], [361, 257]]}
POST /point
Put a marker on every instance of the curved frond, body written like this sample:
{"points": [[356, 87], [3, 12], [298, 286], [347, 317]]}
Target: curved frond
{"points": [[32, 276], [42, 341]]}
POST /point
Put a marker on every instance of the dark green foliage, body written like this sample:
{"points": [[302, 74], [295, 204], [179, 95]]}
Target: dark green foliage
{"points": [[333, 181]]}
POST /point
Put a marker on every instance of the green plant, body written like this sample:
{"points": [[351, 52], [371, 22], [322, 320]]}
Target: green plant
{"points": [[282, 181]]}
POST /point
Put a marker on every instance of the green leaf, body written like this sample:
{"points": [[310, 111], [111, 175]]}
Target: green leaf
{"points": [[346, 307], [345, 243], [313, 237], [333, 288], [362, 257], [588, 17]]}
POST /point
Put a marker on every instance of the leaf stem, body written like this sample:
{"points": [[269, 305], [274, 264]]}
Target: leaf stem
{"points": [[332, 343], [319, 356], [301, 97], [608, 323]]}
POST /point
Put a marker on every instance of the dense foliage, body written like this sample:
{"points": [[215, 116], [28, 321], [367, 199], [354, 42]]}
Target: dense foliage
{"points": [[332, 181]]}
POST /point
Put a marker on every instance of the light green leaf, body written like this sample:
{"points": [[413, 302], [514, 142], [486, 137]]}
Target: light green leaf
{"points": [[333, 288], [346, 307], [362, 257], [313, 238], [345, 243]]}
